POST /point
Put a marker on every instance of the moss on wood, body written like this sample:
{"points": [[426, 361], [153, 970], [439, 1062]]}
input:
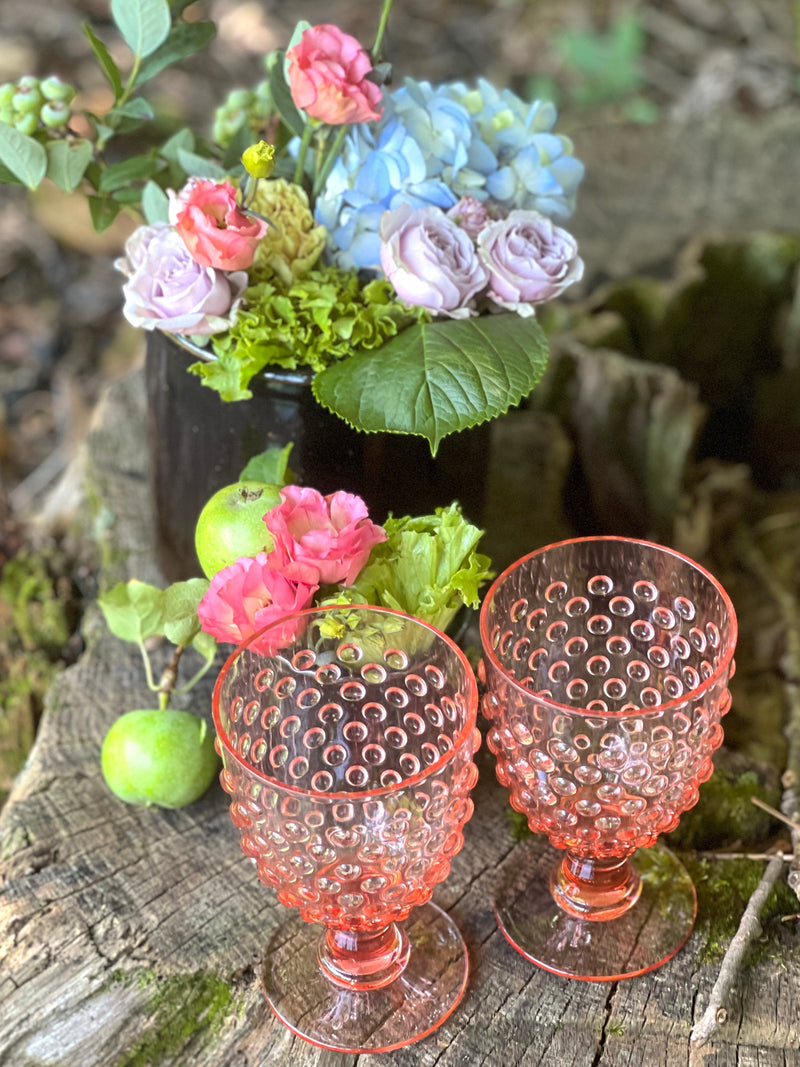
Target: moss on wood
{"points": [[179, 1007]]}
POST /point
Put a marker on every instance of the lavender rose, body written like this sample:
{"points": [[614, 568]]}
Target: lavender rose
{"points": [[168, 290], [470, 214], [430, 260], [529, 260]]}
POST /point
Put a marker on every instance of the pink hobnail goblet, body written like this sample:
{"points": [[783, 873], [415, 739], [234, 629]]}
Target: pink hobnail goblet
{"points": [[606, 667], [347, 736]]}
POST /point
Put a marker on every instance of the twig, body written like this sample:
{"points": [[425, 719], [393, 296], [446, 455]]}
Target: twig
{"points": [[795, 825], [749, 928], [789, 608], [741, 855]]}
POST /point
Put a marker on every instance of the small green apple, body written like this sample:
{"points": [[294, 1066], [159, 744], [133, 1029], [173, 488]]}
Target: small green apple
{"points": [[166, 758], [231, 524]]}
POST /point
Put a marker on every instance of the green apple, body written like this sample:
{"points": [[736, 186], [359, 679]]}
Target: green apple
{"points": [[231, 524], [166, 758]]}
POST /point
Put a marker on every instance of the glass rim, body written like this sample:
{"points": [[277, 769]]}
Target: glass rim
{"points": [[722, 667], [352, 794]]}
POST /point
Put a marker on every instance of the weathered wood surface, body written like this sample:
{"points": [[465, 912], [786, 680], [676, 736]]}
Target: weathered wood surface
{"points": [[133, 936]]}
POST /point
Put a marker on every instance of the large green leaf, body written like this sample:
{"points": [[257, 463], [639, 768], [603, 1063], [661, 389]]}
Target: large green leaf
{"points": [[23, 155], [144, 24], [181, 624], [134, 610], [436, 378], [199, 167], [155, 203]]}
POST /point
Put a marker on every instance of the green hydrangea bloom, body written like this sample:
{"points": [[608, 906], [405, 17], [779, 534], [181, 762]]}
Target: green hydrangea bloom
{"points": [[320, 318]]}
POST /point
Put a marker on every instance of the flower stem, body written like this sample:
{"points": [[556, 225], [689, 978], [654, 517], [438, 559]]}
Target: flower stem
{"points": [[330, 159], [376, 48], [300, 165], [195, 677]]}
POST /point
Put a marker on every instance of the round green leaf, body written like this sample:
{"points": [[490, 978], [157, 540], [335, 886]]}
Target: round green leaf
{"points": [[436, 378]]}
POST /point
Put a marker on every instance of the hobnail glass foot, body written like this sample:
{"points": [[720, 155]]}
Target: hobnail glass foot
{"points": [[596, 950], [336, 1017]]}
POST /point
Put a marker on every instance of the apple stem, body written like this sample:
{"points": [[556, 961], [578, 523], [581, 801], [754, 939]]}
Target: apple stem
{"points": [[168, 679]]}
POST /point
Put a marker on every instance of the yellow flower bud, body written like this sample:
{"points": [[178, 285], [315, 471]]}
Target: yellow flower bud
{"points": [[259, 160]]}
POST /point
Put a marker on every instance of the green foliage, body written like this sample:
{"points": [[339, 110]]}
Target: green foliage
{"points": [[601, 69], [136, 611], [270, 467], [437, 378], [25, 157], [428, 567], [38, 614], [38, 603], [320, 318], [35, 140], [608, 63]]}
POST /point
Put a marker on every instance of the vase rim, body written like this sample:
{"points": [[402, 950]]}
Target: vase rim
{"points": [[277, 374]]}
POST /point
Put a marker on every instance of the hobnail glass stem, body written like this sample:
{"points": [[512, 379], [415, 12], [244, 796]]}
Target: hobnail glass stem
{"points": [[364, 960], [595, 889]]}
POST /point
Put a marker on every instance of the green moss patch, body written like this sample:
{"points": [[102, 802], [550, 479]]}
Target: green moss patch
{"points": [[179, 1007], [723, 889]]}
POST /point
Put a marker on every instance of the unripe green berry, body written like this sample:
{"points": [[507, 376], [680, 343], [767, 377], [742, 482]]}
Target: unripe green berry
{"points": [[263, 92], [53, 88], [27, 124], [54, 114], [7, 115], [7, 90], [26, 101], [238, 98], [28, 81]]}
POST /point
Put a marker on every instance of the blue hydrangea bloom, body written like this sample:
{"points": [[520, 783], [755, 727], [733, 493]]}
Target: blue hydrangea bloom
{"points": [[434, 145], [379, 168]]}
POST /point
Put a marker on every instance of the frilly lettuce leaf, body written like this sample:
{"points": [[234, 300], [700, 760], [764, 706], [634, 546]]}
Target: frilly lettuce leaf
{"points": [[428, 567]]}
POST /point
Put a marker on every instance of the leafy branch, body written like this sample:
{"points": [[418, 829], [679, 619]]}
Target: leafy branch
{"points": [[137, 612], [33, 148]]}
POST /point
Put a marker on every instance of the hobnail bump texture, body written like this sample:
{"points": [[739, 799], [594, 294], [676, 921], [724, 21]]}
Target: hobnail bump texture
{"points": [[349, 764], [607, 668]]}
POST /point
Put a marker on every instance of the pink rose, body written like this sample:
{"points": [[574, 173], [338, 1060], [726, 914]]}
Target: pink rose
{"points": [[322, 539], [327, 77], [216, 231], [168, 290], [529, 260], [249, 595], [430, 260]]}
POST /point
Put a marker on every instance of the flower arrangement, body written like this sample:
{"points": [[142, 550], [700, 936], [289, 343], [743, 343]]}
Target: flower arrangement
{"points": [[396, 240], [314, 549]]}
